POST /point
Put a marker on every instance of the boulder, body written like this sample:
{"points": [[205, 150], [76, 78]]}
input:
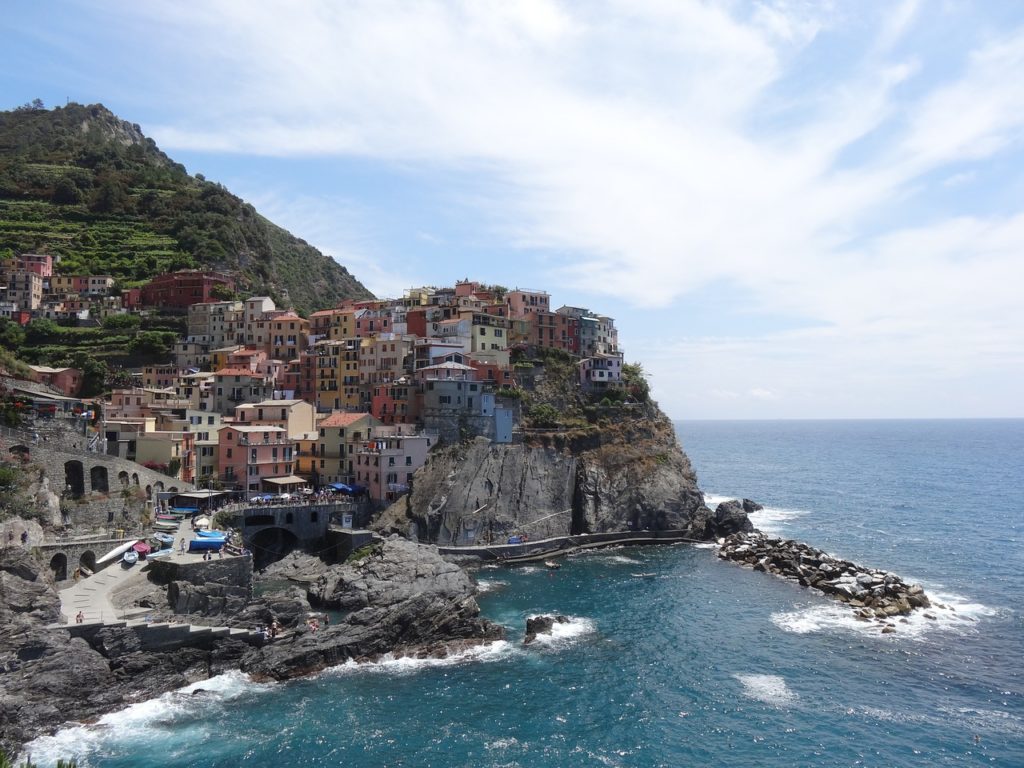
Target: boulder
{"points": [[729, 518], [541, 625], [751, 506]]}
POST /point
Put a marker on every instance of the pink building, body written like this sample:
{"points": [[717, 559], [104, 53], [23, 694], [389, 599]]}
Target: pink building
{"points": [[256, 459], [385, 464], [67, 381]]}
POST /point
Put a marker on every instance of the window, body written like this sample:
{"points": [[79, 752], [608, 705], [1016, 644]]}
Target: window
{"points": [[408, 461], [229, 453]]}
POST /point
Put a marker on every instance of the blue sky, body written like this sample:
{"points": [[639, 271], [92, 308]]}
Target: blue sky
{"points": [[793, 209]]}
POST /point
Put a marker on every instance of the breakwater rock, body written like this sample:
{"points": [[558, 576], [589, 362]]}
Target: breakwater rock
{"points": [[872, 593], [402, 599]]}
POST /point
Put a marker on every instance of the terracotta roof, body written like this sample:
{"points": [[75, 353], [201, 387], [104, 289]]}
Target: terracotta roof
{"points": [[342, 419]]}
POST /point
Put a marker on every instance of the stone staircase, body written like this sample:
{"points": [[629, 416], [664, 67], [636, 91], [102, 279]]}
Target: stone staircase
{"points": [[166, 636]]}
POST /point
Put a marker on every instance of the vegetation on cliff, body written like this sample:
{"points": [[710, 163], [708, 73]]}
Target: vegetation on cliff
{"points": [[79, 183]]}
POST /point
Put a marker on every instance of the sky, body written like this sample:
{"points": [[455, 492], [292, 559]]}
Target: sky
{"points": [[792, 209]]}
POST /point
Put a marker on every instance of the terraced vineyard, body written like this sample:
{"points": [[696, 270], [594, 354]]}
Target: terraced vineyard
{"points": [[79, 183]]}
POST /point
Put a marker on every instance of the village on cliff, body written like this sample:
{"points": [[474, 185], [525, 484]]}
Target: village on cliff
{"points": [[260, 401]]}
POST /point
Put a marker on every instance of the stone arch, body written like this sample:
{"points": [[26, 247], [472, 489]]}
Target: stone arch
{"points": [[74, 477], [98, 479], [158, 486], [271, 544], [135, 478], [88, 560], [149, 492], [173, 489], [59, 566], [122, 478]]}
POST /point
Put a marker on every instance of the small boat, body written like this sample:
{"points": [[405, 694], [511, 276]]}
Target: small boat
{"points": [[117, 551], [168, 517], [160, 553], [551, 565], [131, 557], [163, 538], [207, 544], [212, 534], [162, 526], [644, 575]]}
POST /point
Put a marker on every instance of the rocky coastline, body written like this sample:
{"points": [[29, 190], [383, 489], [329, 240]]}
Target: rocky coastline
{"points": [[396, 597], [873, 595], [401, 598]]}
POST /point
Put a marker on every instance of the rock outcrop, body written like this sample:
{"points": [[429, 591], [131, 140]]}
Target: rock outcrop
{"points": [[630, 475], [731, 517], [49, 678], [872, 593], [541, 625], [403, 598]]}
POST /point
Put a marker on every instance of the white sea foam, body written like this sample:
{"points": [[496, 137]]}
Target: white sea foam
{"points": [[490, 585], [147, 716], [948, 612], [770, 519], [705, 545], [770, 689], [389, 664], [568, 633]]}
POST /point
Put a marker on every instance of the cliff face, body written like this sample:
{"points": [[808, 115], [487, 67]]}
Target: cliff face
{"points": [[628, 474]]}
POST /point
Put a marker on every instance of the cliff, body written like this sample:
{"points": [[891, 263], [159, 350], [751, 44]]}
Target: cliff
{"points": [[626, 473]]}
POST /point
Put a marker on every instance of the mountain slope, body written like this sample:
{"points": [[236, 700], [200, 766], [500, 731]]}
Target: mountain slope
{"points": [[81, 183]]}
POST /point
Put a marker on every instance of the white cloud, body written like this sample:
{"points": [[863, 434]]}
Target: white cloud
{"points": [[658, 147]]}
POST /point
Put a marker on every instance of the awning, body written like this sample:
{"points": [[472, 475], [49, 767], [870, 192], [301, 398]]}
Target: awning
{"points": [[339, 487], [289, 480], [201, 494]]}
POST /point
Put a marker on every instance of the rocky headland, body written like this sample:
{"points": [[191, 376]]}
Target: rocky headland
{"points": [[630, 475], [873, 594]]}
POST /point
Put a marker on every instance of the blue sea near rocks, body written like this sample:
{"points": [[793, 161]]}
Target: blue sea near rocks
{"points": [[703, 663]]}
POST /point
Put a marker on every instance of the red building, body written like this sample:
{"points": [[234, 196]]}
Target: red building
{"points": [[183, 289]]}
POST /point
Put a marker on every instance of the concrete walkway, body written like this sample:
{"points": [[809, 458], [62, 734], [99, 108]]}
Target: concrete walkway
{"points": [[91, 595]]}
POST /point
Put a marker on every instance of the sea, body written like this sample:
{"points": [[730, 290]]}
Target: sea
{"points": [[672, 657]]}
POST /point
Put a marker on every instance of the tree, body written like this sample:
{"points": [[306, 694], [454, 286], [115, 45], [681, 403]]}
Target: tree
{"points": [[123, 322], [42, 331], [12, 335], [66, 192]]}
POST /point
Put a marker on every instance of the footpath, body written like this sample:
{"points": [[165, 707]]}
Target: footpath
{"points": [[91, 597]]}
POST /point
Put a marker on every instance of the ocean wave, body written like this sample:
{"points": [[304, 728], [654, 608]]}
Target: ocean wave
{"points": [[490, 585], [192, 702], [948, 612], [389, 664], [770, 689]]}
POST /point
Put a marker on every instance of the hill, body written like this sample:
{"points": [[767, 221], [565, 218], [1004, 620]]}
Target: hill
{"points": [[81, 183]]}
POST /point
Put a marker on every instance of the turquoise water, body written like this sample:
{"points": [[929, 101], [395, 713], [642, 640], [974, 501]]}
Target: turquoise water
{"points": [[705, 663]]}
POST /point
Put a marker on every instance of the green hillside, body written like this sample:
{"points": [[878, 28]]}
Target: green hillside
{"points": [[80, 183]]}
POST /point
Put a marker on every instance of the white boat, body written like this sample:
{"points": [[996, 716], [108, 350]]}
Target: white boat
{"points": [[120, 549]]}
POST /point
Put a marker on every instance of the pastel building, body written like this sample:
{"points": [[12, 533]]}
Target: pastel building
{"points": [[256, 459], [386, 462]]}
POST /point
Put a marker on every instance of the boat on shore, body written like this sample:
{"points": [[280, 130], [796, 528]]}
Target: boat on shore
{"points": [[130, 558], [117, 551], [160, 525]]}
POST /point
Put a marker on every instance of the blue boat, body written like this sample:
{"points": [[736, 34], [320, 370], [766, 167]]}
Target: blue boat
{"points": [[206, 545], [212, 534]]}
